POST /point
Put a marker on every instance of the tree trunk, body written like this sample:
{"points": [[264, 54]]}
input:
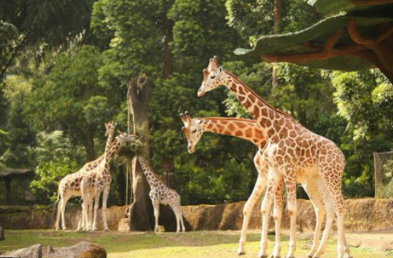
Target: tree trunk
{"points": [[276, 29], [141, 210], [89, 145], [7, 182], [168, 55]]}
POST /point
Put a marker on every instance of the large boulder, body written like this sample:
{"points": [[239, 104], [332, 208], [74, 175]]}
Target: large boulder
{"points": [[81, 250], [34, 251]]}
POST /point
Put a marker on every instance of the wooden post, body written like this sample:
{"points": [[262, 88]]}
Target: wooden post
{"points": [[141, 210]]}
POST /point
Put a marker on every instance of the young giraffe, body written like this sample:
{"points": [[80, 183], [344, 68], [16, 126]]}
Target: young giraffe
{"points": [[251, 131], [70, 185], [160, 193], [97, 181], [293, 153]]}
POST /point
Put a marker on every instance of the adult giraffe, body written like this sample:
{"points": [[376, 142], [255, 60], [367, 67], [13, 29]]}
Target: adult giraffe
{"points": [[293, 153], [70, 185], [250, 130]]}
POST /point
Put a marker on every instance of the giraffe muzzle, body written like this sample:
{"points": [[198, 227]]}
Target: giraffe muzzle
{"points": [[200, 92]]}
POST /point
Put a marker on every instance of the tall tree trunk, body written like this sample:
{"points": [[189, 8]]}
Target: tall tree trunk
{"points": [[7, 182], [168, 55], [167, 164], [141, 210], [276, 29], [89, 145]]}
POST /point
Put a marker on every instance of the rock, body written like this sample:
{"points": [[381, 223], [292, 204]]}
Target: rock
{"points": [[124, 225], [1, 234], [81, 250], [34, 251]]}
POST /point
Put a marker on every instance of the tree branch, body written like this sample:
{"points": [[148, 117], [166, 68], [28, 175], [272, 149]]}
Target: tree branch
{"points": [[14, 54], [320, 55], [359, 39], [332, 40]]}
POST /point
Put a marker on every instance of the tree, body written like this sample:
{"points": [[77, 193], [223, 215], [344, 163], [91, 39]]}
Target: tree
{"points": [[357, 39], [70, 99]]}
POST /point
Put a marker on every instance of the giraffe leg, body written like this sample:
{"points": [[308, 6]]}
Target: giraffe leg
{"points": [[290, 183], [311, 187], [156, 206], [248, 206], [63, 204], [182, 221], [277, 214], [104, 203], [333, 185], [57, 223], [273, 181], [96, 206]]}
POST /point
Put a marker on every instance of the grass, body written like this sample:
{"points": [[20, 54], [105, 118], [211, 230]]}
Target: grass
{"points": [[196, 244]]}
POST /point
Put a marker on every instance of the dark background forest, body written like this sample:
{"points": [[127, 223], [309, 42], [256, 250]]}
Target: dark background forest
{"points": [[65, 66]]}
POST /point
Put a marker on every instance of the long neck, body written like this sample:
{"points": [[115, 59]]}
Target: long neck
{"points": [[114, 148], [148, 172], [242, 128], [108, 146], [269, 118]]}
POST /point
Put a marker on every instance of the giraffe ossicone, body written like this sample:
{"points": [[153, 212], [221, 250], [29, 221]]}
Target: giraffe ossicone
{"points": [[294, 154]]}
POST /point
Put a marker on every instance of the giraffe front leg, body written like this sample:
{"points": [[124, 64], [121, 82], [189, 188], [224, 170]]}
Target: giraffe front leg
{"points": [[248, 206], [96, 206], [104, 203], [156, 206], [277, 214], [290, 182]]}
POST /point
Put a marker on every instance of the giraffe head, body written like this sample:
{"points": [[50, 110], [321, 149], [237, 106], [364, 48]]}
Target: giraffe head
{"points": [[213, 77], [110, 128], [193, 130]]}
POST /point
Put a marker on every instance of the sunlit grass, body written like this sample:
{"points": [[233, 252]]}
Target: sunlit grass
{"points": [[198, 244]]}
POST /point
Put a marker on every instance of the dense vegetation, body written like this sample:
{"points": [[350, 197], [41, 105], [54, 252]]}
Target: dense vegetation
{"points": [[65, 66]]}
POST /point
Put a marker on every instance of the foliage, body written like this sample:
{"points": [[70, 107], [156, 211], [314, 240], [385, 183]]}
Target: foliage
{"points": [[69, 98], [56, 157], [254, 18]]}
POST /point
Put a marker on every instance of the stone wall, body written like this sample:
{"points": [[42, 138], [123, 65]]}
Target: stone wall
{"points": [[362, 215]]}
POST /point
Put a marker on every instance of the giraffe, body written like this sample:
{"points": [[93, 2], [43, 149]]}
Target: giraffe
{"points": [[251, 131], [98, 181], [160, 193], [293, 153], [70, 185]]}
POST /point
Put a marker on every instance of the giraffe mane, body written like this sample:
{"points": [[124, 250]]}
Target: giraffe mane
{"points": [[259, 98], [150, 168]]}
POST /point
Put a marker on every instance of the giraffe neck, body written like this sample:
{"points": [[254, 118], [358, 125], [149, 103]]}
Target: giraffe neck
{"points": [[242, 128], [269, 118], [148, 172], [108, 146]]}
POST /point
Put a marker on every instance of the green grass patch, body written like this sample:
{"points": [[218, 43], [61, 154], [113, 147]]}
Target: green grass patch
{"points": [[197, 244]]}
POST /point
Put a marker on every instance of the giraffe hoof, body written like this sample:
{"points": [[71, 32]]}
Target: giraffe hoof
{"points": [[263, 256], [275, 256], [107, 230], [240, 253]]}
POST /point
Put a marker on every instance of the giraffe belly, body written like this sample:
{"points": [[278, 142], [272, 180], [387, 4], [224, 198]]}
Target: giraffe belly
{"points": [[304, 174]]}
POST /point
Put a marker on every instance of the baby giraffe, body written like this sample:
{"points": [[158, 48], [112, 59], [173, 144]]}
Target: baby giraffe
{"points": [[160, 193], [70, 185]]}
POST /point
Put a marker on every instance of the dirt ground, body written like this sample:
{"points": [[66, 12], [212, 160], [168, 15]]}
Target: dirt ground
{"points": [[198, 244]]}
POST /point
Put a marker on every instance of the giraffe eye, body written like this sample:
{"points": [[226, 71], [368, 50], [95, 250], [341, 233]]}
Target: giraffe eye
{"points": [[212, 77], [194, 131]]}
